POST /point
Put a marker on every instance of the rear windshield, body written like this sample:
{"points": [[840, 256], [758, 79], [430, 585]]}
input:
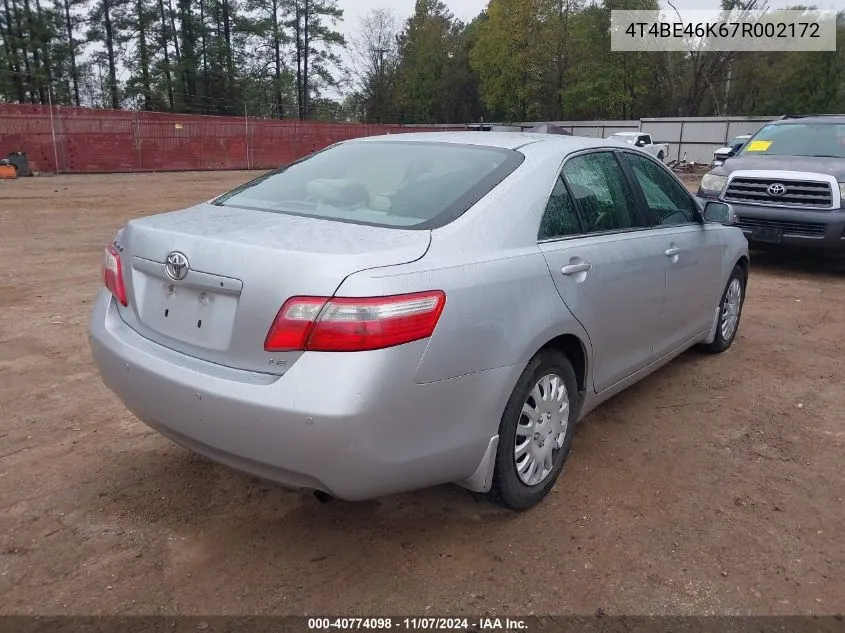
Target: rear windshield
{"points": [[405, 184], [798, 139]]}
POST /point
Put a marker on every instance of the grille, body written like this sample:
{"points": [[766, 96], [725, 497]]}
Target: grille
{"points": [[808, 229], [799, 193]]}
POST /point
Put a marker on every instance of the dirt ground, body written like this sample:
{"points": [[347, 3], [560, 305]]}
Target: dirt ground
{"points": [[713, 487]]}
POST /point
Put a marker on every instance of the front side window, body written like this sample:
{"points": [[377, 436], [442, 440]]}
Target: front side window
{"points": [[391, 183], [560, 218], [601, 192], [667, 201]]}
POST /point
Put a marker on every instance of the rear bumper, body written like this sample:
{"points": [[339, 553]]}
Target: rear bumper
{"points": [[802, 229], [354, 425]]}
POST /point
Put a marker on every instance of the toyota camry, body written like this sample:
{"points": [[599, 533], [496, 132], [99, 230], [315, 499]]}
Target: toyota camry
{"points": [[398, 312]]}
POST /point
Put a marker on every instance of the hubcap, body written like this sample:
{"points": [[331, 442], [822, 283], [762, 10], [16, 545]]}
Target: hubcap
{"points": [[731, 308], [541, 429]]}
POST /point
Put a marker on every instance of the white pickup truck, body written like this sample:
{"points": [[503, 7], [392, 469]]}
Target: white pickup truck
{"points": [[643, 141], [730, 150]]}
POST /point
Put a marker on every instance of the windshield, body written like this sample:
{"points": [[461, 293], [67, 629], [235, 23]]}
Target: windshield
{"points": [[392, 183], [737, 140], [798, 139]]}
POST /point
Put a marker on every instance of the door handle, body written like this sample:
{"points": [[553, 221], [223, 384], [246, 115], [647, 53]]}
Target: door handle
{"points": [[573, 269], [671, 252]]}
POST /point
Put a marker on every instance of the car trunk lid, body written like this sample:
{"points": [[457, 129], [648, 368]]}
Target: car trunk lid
{"points": [[241, 267]]}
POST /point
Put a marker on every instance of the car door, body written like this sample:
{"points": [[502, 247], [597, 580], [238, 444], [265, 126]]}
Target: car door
{"points": [[692, 248], [608, 269]]}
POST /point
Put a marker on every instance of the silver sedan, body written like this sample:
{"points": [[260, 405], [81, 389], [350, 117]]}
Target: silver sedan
{"points": [[405, 311]]}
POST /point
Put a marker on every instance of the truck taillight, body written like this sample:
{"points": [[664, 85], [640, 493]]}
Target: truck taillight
{"points": [[113, 274], [346, 324]]}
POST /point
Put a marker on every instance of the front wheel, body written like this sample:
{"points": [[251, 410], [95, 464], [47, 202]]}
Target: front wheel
{"points": [[535, 432], [730, 311]]}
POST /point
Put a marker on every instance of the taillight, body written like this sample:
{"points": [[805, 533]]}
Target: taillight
{"points": [[293, 324], [354, 324], [113, 274]]}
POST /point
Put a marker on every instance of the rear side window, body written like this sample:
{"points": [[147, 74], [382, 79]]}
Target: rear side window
{"points": [[560, 218], [601, 192], [406, 184]]}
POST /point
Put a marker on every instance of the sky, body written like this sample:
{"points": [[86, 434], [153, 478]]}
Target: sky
{"points": [[354, 10]]}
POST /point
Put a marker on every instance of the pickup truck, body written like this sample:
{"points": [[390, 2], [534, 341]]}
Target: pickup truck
{"points": [[731, 149], [643, 141]]}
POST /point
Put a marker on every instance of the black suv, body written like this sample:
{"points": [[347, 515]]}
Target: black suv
{"points": [[787, 184]]}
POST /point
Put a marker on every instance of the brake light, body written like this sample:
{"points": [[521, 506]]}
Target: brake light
{"points": [[113, 274], [354, 324], [293, 323]]}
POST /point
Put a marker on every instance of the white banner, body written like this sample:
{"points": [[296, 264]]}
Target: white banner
{"points": [[703, 30]]}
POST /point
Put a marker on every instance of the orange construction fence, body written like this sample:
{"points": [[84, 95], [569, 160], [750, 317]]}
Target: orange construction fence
{"points": [[81, 140]]}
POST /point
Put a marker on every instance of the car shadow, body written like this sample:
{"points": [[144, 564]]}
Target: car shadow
{"points": [[183, 490], [200, 528], [797, 263], [179, 488], [190, 517]]}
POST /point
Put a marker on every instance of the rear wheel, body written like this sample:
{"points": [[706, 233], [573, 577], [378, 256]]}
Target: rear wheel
{"points": [[730, 311], [535, 432]]}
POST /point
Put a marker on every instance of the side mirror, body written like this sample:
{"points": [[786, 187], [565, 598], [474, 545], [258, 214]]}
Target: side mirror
{"points": [[719, 213], [640, 143]]}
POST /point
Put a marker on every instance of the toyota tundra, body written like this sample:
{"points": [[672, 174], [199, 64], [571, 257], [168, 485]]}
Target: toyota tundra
{"points": [[787, 184]]}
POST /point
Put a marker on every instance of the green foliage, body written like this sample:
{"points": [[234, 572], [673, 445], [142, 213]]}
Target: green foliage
{"points": [[519, 60], [507, 58], [461, 98], [424, 48], [794, 82], [375, 56], [311, 23]]}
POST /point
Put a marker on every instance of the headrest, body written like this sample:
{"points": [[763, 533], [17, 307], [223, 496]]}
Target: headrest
{"points": [[338, 191]]}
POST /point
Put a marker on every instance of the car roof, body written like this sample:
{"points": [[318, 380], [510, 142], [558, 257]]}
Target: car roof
{"points": [[628, 133], [502, 140]]}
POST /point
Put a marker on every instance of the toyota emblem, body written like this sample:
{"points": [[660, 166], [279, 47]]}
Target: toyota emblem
{"points": [[176, 266], [776, 189]]}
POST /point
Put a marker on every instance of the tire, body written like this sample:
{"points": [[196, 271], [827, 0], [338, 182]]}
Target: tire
{"points": [[511, 489], [660, 156], [725, 335]]}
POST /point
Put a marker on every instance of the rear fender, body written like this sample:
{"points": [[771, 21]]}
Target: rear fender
{"points": [[498, 313]]}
